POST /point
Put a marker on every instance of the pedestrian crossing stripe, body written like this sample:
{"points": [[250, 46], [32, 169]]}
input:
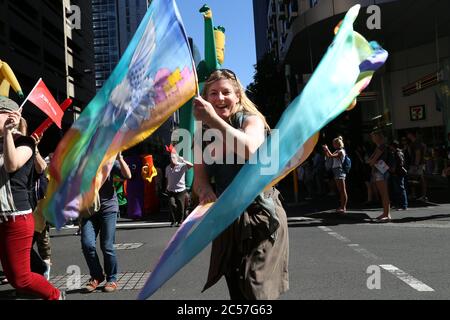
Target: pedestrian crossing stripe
{"points": [[127, 246], [125, 281]]}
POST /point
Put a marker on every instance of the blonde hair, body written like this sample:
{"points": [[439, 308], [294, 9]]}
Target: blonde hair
{"points": [[22, 126], [339, 141], [244, 104]]}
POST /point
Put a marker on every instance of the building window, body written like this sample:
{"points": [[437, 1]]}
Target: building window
{"points": [[313, 3]]}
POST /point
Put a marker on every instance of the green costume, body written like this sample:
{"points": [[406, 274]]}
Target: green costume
{"points": [[214, 57]]}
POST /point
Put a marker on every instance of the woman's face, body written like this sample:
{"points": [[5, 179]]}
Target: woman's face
{"points": [[377, 139], [223, 98]]}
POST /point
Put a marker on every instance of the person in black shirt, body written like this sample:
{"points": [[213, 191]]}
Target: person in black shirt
{"points": [[16, 220]]}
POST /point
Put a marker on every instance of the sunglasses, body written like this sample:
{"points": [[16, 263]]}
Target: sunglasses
{"points": [[228, 73]]}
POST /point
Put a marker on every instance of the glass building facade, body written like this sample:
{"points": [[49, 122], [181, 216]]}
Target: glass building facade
{"points": [[114, 23]]}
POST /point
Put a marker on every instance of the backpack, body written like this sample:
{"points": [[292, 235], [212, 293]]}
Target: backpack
{"points": [[346, 164], [400, 169], [390, 158]]}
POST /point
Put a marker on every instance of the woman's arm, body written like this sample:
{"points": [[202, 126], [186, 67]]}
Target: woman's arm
{"points": [[375, 156], [336, 154], [201, 185], [248, 139], [39, 163], [124, 169]]}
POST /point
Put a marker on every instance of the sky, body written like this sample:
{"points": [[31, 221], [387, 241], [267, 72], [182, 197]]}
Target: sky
{"points": [[237, 18]]}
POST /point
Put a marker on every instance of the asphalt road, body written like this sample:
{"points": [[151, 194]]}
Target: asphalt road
{"points": [[332, 257]]}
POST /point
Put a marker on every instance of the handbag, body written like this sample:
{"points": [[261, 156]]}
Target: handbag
{"points": [[381, 166]]}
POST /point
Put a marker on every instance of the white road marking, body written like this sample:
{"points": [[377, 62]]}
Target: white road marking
{"points": [[408, 279], [300, 219], [338, 236], [356, 247], [366, 253], [125, 225]]}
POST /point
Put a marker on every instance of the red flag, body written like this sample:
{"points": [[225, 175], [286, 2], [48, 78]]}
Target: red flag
{"points": [[48, 122], [43, 99], [171, 149]]}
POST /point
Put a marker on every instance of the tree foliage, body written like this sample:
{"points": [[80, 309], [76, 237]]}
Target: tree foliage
{"points": [[267, 89]]}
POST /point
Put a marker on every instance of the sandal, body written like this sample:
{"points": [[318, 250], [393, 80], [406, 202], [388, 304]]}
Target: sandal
{"points": [[382, 219], [341, 211]]}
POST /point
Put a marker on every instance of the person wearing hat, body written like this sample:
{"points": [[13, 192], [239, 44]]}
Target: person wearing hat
{"points": [[16, 220]]}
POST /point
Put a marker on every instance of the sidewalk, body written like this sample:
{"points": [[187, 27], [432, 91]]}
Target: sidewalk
{"points": [[437, 206]]}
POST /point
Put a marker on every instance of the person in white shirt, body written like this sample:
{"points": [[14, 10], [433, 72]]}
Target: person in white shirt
{"points": [[176, 187]]}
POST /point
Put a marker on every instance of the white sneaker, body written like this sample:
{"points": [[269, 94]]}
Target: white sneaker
{"points": [[62, 295], [47, 272]]}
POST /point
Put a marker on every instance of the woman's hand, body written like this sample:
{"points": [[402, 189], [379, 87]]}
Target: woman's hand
{"points": [[203, 110], [36, 138], [326, 150], [206, 195], [12, 121]]}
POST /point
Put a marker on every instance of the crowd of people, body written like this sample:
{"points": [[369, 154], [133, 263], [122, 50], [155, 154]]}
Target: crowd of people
{"points": [[392, 173]]}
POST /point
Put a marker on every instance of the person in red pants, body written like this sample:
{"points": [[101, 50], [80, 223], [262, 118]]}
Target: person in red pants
{"points": [[16, 219]]}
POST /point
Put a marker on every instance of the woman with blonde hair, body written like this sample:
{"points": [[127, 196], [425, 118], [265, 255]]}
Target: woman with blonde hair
{"points": [[380, 173], [252, 253], [339, 174]]}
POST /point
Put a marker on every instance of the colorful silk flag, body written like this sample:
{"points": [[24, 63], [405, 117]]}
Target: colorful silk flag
{"points": [[345, 70], [154, 77], [41, 97]]}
